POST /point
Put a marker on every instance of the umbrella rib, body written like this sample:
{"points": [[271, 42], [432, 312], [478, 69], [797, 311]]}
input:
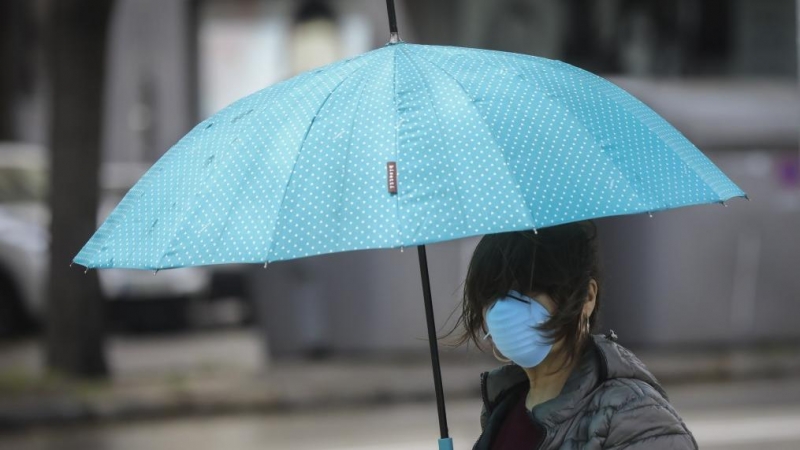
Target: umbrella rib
{"points": [[608, 89], [205, 183], [435, 113], [634, 186], [478, 112], [299, 150], [350, 142], [645, 201], [603, 86], [397, 216], [130, 202], [649, 203]]}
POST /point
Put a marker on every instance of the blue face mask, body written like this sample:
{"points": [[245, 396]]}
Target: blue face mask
{"points": [[511, 322]]}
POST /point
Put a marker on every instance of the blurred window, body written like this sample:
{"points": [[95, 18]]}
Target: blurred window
{"points": [[315, 38]]}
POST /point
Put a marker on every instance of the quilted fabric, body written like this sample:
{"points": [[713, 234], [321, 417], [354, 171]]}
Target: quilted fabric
{"points": [[609, 402], [482, 142]]}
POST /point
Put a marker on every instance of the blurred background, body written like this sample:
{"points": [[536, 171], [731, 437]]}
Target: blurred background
{"points": [[330, 352]]}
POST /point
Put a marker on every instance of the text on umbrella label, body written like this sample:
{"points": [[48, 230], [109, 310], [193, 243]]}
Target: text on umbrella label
{"points": [[391, 172]]}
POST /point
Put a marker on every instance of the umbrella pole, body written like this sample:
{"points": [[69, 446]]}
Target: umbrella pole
{"points": [[445, 443], [393, 34]]}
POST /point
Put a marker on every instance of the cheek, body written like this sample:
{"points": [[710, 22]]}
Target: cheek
{"points": [[548, 304]]}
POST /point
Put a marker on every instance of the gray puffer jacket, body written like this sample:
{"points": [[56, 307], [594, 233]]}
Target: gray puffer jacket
{"points": [[610, 401]]}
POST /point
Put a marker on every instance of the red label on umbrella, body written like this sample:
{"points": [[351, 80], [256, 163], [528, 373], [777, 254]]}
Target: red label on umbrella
{"points": [[391, 172]]}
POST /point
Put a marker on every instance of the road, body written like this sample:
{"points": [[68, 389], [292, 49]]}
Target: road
{"points": [[743, 415]]}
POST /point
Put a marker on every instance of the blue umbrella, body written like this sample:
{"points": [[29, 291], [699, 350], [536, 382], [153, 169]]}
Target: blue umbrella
{"points": [[403, 146]]}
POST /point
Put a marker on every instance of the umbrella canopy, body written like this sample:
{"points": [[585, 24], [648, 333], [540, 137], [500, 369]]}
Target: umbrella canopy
{"points": [[404, 145]]}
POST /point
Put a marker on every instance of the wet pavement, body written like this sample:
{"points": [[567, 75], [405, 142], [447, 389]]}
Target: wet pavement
{"points": [[742, 415], [217, 390]]}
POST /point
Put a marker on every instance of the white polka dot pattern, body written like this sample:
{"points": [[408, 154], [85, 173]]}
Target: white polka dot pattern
{"points": [[484, 142]]}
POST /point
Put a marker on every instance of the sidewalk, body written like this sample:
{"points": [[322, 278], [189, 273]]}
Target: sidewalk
{"points": [[223, 373]]}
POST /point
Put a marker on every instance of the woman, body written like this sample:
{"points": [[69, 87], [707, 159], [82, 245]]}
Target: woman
{"points": [[534, 298]]}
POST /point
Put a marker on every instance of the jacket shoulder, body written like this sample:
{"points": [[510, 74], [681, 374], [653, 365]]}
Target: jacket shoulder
{"points": [[621, 393], [637, 416]]}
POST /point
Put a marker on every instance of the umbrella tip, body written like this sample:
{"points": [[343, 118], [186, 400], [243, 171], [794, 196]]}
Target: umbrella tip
{"points": [[155, 272], [266, 264], [650, 213]]}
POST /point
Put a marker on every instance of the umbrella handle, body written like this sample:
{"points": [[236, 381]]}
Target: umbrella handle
{"points": [[437, 371]]}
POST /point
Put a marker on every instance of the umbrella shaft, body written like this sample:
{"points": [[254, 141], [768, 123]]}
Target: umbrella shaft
{"points": [[392, 16], [437, 371]]}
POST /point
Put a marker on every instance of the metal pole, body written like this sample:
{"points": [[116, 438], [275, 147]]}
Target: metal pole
{"points": [[437, 372], [393, 34]]}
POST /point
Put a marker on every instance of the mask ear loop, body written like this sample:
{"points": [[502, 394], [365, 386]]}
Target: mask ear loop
{"points": [[494, 352]]}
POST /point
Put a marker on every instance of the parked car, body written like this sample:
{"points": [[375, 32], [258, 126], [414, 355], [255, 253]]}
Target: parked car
{"points": [[138, 299]]}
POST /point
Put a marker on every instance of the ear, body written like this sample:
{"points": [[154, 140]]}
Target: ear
{"points": [[591, 299]]}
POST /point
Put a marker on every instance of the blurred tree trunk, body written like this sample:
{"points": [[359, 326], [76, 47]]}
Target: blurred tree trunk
{"points": [[76, 56], [20, 53], [7, 56]]}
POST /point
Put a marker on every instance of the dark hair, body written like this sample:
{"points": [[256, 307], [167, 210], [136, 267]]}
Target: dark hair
{"points": [[559, 261]]}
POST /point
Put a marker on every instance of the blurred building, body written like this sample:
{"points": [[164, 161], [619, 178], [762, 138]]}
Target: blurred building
{"points": [[723, 71], [632, 37], [151, 88]]}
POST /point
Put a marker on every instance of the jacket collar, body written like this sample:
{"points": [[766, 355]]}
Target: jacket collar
{"points": [[602, 360]]}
